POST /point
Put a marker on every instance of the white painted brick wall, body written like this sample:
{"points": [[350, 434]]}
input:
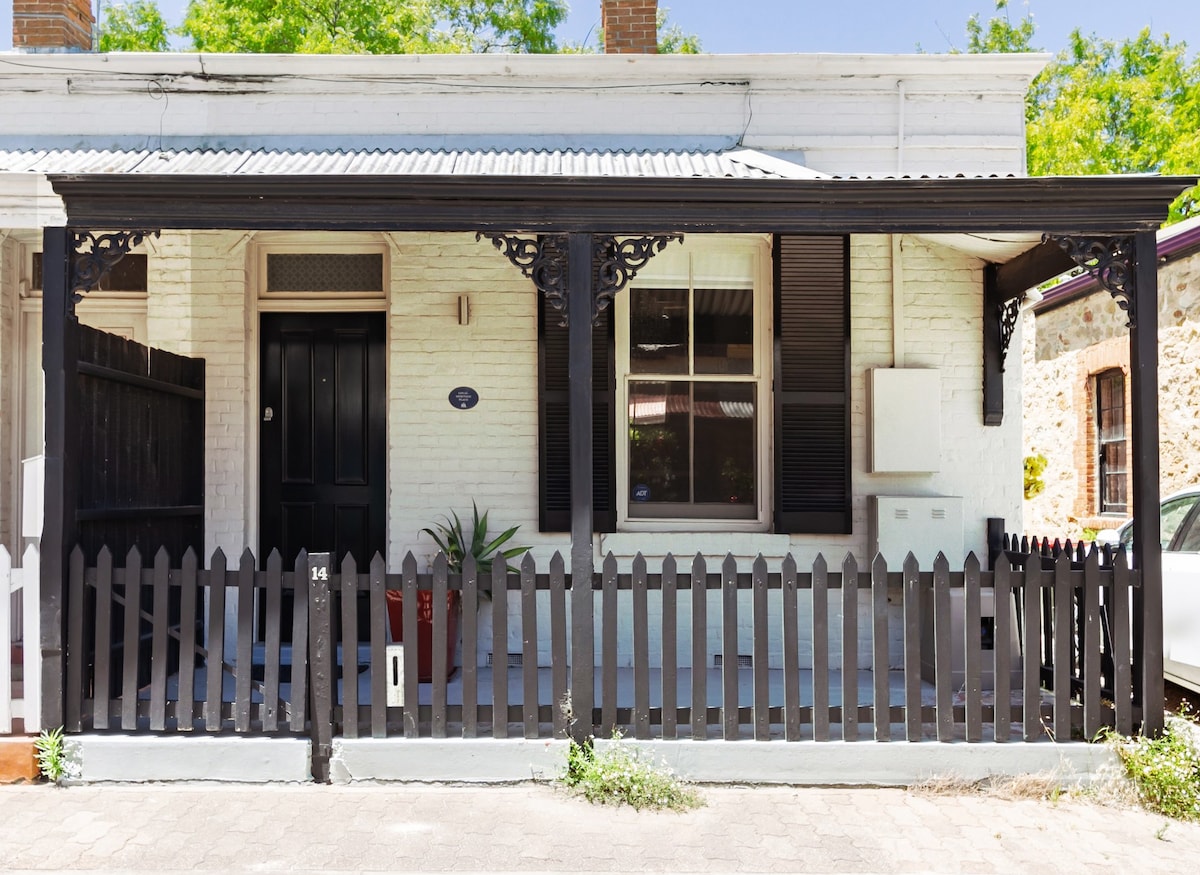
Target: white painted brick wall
{"points": [[196, 306], [441, 458]]}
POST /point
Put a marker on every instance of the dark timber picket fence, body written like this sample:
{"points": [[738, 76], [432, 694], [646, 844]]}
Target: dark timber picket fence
{"points": [[258, 682]]}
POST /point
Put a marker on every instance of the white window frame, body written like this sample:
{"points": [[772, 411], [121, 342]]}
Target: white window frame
{"points": [[760, 249]]}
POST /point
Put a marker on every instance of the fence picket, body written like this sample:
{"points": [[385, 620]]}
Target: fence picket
{"points": [[820, 648], [301, 639], [670, 658], [608, 646], [973, 649], [1031, 693], [559, 655], [379, 619], [158, 643], [215, 659], [1122, 646], [410, 607], [102, 684], [729, 648], [1091, 647], [470, 647], [881, 701], [761, 658], [439, 602], [699, 584], [1064, 597], [849, 649], [912, 648], [31, 637], [641, 650], [273, 620], [74, 692], [132, 637], [185, 703], [942, 649], [1002, 655], [245, 637], [499, 650], [791, 650], [348, 584], [529, 645]]}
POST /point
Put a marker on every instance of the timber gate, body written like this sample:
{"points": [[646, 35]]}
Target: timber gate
{"points": [[139, 467]]}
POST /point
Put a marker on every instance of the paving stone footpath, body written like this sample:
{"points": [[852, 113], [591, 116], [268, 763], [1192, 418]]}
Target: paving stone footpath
{"points": [[538, 828]]}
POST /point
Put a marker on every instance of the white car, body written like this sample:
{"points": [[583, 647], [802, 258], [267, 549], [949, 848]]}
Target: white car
{"points": [[1181, 584]]}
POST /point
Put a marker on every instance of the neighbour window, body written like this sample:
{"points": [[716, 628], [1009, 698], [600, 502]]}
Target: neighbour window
{"points": [[127, 275], [690, 369], [1111, 442]]}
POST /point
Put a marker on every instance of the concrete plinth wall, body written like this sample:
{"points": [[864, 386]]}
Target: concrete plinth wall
{"points": [[490, 761], [97, 758]]}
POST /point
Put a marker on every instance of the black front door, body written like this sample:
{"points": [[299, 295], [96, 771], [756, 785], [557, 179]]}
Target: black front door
{"points": [[323, 436]]}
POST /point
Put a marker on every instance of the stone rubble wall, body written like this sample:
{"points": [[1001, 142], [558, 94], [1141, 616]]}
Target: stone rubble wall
{"points": [[1065, 347]]}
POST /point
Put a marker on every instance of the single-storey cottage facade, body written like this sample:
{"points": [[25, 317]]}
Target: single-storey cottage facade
{"points": [[733, 316]]}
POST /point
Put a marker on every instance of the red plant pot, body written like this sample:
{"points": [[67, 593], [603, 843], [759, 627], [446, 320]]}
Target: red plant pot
{"points": [[395, 608]]}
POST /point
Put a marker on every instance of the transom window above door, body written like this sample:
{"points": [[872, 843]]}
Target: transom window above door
{"points": [[322, 270], [690, 368]]}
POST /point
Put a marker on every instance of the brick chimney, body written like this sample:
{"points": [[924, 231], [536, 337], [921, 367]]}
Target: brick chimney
{"points": [[630, 26], [52, 25]]}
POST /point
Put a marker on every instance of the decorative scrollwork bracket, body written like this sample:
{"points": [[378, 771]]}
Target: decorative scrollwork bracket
{"points": [[618, 262], [89, 267], [1010, 313], [543, 260], [1111, 261]]}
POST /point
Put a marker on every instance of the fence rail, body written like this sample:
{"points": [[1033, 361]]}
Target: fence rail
{"points": [[834, 654], [20, 655]]}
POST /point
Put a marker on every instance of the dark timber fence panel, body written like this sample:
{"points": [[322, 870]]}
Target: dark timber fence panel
{"points": [[184, 680]]}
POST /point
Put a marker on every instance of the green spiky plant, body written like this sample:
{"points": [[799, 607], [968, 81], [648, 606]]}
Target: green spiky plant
{"points": [[458, 543]]}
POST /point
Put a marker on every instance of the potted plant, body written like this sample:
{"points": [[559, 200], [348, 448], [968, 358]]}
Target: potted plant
{"points": [[456, 542]]}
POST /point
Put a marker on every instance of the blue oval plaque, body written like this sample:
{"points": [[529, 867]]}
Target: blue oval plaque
{"points": [[641, 492], [463, 398]]}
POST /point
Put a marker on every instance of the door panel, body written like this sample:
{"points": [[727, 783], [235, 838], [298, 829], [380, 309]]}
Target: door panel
{"points": [[322, 438]]}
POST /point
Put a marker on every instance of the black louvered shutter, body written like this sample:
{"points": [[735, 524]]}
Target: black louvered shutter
{"points": [[812, 385], [554, 447]]}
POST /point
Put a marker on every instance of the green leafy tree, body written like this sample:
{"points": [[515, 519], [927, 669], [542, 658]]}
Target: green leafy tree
{"points": [[133, 27], [371, 27], [671, 38], [1103, 106]]}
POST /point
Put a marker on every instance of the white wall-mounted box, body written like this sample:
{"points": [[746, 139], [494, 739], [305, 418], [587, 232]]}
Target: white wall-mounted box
{"points": [[922, 525], [906, 419]]}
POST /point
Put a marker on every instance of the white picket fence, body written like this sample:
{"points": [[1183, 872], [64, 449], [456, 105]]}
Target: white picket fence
{"points": [[19, 601]]}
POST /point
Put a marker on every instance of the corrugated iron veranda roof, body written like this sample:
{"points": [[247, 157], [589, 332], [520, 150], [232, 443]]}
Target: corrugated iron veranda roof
{"points": [[659, 164]]}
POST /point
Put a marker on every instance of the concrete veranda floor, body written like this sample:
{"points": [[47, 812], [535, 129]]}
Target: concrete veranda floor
{"points": [[538, 828]]}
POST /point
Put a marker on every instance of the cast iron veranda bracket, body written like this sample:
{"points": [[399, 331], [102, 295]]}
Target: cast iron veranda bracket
{"points": [[1111, 261], [543, 259], [103, 252]]}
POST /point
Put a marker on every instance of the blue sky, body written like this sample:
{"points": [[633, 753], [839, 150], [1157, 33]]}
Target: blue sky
{"points": [[860, 25]]}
